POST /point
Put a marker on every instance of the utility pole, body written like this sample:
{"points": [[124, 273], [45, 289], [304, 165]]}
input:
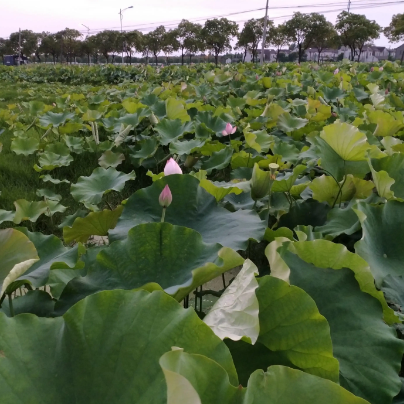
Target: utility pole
{"points": [[121, 18], [264, 35], [19, 47], [88, 33], [349, 5]]}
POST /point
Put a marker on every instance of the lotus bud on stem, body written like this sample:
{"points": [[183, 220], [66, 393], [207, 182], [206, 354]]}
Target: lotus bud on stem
{"points": [[165, 200], [172, 167]]}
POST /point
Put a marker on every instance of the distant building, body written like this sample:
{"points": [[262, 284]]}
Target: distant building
{"points": [[399, 53], [327, 54], [369, 54]]}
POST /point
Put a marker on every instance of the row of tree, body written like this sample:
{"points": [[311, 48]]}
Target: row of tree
{"points": [[215, 36]]}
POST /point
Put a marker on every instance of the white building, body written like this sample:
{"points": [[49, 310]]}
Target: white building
{"points": [[326, 54], [269, 55]]}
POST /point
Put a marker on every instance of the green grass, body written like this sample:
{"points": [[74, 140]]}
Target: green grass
{"points": [[19, 180]]}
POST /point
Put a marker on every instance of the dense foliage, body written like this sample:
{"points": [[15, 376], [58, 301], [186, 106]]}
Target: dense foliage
{"points": [[292, 173]]}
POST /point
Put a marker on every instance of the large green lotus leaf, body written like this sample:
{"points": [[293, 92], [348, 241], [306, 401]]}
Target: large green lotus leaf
{"points": [[360, 93], [57, 148], [284, 182], [196, 379], [174, 257], [48, 178], [15, 248], [36, 302], [24, 145], [75, 144], [383, 182], [235, 314], [143, 149], [52, 254], [49, 161], [394, 167], [259, 141], [91, 115], [107, 341], [336, 165], [35, 107], [110, 159], [292, 333], [94, 224], [306, 213], [214, 123], [325, 189], [368, 351], [346, 140], [340, 221], [90, 190], [325, 254], [69, 128], [170, 130], [393, 289], [382, 238], [55, 119], [289, 123], [6, 216], [191, 207], [387, 125], [26, 210], [59, 278], [333, 93], [220, 190], [218, 160], [175, 110], [186, 146]]}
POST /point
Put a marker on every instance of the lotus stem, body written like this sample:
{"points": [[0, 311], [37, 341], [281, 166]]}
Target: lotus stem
{"points": [[163, 215], [224, 280], [10, 303]]}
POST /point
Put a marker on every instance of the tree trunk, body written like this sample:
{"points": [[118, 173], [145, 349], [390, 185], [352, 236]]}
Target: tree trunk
{"points": [[155, 56], [277, 54], [300, 53], [245, 54], [402, 56], [190, 56], [216, 58], [182, 56]]}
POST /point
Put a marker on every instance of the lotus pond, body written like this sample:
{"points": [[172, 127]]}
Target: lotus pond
{"points": [[292, 174]]}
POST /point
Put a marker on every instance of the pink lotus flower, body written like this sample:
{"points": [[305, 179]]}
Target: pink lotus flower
{"points": [[229, 130], [172, 167], [336, 71], [334, 114], [372, 69], [257, 77], [278, 73], [387, 91], [380, 69], [165, 197]]}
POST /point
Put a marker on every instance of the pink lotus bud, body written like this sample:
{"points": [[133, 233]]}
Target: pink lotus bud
{"points": [[387, 91], [54, 104], [380, 69], [229, 130], [372, 69], [257, 77], [172, 167], [278, 73], [336, 71], [165, 197], [334, 114]]}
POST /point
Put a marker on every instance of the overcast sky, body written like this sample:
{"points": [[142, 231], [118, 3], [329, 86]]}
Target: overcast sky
{"points": [[52, 16]]}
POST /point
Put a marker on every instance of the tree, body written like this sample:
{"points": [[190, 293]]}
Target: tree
{"points": [[107, 42], [132, 41], [50, 46], [69, 43], [155, 40], [87, 47], [251, 35], [186, 34], [301, 30], [217, 34], [170, 43], [29, 42], [323, 35], [395, 31], [355, 30], [193, 42], [278, 37]]}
